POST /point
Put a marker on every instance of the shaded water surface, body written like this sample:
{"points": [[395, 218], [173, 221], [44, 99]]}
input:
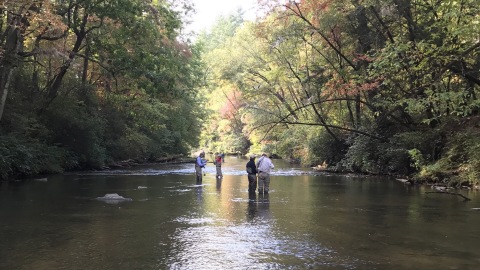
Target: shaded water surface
{"points": [[162, 219]]}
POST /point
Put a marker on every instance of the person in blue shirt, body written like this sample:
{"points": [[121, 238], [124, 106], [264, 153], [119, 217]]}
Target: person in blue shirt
{"points": [[200, 163]]}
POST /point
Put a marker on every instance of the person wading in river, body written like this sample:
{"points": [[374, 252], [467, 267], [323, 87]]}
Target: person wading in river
{"points": [[218, 165], [252, 174], [199, 165], [264, 166]]}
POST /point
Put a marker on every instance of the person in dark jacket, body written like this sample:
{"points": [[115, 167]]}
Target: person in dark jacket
{"points": [[252, 174]]}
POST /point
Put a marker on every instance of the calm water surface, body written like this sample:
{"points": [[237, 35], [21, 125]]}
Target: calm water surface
{"points": [[167, 221]]}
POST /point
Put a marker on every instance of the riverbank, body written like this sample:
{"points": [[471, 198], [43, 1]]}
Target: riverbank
{"points": [[171, 159]]}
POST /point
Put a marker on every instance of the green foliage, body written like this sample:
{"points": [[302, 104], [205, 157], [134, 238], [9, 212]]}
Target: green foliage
{"points": [[22, 158], [322, 148], [223, 28], [224, 127], [116, 84], [132, 144], [366, 86], [417, 158], [367, 155], [397, 90], [460, 163], [75, 128], [291, 144], [233, 143], [361, 156], [423, 146]]}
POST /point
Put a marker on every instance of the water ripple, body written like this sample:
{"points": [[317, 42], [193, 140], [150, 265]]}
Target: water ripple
{"points": [[187, 169], [208, 243]]}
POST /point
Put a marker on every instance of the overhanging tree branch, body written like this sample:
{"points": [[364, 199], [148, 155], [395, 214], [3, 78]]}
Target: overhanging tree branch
{"points": [[283, 120], [300, 15]]}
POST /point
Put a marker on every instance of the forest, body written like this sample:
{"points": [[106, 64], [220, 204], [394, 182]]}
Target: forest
{"points": [[378, 87]]}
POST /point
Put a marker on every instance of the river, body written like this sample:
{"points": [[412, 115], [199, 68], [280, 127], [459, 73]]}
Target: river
{"points": [[162, 219]]}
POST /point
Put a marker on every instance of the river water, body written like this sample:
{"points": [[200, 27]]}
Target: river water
{"points": [[162, 219]]}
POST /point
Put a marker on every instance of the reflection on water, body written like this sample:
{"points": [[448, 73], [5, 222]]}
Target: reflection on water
{"points": [[252, 206], [219, 184], [163, 219]]}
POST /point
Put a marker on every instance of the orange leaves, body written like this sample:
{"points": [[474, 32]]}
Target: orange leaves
{"points": [[45, 22], [350, 88], [232, 105], [315, 6], [362, 58], [181, 48], [310, 9]]}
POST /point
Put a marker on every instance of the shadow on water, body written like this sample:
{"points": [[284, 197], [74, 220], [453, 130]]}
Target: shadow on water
{"points": [[164, 219]]}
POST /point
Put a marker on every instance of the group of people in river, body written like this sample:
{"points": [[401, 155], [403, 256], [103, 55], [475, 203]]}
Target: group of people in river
{"points": [[258, 172], [262, 167]]}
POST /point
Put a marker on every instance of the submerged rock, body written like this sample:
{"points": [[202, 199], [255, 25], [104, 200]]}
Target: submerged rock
{"points": [[113, 198]]}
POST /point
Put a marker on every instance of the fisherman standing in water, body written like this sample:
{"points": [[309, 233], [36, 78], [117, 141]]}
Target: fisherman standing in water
{"points": [[264, 165], [199, 165], [218, 165], [252, 174]]}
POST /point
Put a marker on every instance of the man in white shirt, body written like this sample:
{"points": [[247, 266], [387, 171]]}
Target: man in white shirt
{"points": [[264, 166]]}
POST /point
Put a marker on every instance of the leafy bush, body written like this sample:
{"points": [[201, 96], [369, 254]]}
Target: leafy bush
{"points": [[292, 144], [424, 146], [361, 156], [369, 155], [321, 147], [460, 164], [20, 157], [449, 154], [74, 127]]}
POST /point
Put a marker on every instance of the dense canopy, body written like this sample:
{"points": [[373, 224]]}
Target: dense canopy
{"points": [[365, 86], [372, 86]]}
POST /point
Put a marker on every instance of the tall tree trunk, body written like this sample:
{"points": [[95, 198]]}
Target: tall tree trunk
{"points": [[55, 83], [5, 75], [11, 42], [9, 60], [405, 9], [85, 66]]}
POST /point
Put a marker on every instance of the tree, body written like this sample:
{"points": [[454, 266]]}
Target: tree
{"points": [[103, 80], [372, 74]]}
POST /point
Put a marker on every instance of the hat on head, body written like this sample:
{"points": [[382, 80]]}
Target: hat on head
{"points": [[264, 154], [253, 156]]}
